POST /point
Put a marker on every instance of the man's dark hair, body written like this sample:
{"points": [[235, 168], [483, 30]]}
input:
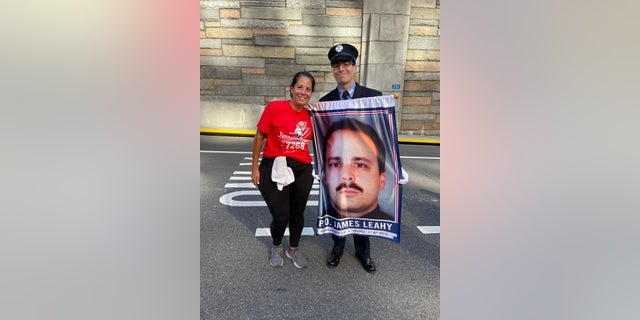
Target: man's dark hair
{"points": [[359, 126]]}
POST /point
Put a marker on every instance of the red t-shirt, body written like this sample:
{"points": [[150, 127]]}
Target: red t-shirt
{"points": [[288, 131]]}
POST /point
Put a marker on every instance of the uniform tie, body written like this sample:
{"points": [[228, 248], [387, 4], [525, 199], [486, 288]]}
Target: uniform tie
{"points": [[345, 95]]}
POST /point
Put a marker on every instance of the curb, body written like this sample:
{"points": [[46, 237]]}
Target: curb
{"points": [[251, 133]]}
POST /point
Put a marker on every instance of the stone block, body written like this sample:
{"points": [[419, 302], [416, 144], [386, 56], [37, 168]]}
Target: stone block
{"points": [[271, 13], [381, 52], [423, 66], [309, 59], [233, 90], [323, 88], [325, 31], [314, 52], [211, 24], [371, 27], [253, 70], [240, 42], [232, 61], [424, 43], [324, 69], [306, 4], [283, 62], [227, 82], [355, 41], [263, 3], [209, 14], [415, 101], [423, 3], [411, 125], [229, 33], [229, 13], [258, 51], [421, 85], [326, 20], [282, 70], [412, 109], [425, 13], [210, 52], [420, 22], [254, 24], [220, 73], [268, 91], [295, 41], [417, 116], [353, 12], [345, 3], [422, 76], [266, 80], [401, 7], [424, 55], [401, 53], [206, 84], [277, 32], [393, 27], [219, 4], [210, 43], [423, 30], [235, 99]]}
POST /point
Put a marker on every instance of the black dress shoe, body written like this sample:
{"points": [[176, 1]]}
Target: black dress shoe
{"points": [[367, 264], [333, 261]]}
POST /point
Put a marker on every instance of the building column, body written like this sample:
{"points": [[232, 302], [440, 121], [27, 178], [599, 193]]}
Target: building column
{"points": [[385, 33]]}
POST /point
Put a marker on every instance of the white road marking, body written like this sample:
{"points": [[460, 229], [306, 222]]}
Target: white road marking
{"points": [[266, 232], [429, 229], [240, 178], [228, 199], [248, 185]]}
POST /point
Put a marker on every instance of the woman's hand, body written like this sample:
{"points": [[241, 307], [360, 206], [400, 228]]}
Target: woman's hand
{"points": [[255, 176], [257, 146]]}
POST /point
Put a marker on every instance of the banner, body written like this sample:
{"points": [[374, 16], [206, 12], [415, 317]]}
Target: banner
{"points": [[358, 163]]}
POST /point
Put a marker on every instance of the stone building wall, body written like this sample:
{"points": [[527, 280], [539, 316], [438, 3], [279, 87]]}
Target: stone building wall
{"points": [[249, 51]]}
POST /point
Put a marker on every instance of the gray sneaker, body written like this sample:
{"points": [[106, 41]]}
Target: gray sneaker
{"points": [[299, 261], [276, 257]]}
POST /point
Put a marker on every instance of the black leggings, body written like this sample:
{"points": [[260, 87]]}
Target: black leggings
{"points": [[286, 206]]}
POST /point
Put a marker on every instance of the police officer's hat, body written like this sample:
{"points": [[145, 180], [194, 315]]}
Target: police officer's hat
{"points": [[343, 52]]}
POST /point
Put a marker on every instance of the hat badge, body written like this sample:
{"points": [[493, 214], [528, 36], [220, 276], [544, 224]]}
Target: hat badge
{"points": [[339, 48]]}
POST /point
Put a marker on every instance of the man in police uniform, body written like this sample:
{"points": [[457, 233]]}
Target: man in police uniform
{"points": [[343, 62]]}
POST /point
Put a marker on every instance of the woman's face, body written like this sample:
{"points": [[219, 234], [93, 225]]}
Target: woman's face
{"points": [[301, 92]]}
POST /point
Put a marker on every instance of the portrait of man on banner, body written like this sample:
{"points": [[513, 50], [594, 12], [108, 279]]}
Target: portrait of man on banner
{"points": [[358, 166]]}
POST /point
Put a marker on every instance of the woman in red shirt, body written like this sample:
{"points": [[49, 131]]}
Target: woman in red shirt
{"points": [[287, 127]]}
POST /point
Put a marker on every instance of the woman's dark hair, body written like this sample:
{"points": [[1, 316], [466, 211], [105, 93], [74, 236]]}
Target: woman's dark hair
{"points": [[301, 74]]}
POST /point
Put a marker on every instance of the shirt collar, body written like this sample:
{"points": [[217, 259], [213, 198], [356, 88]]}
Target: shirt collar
{"points": [[351, 90]]}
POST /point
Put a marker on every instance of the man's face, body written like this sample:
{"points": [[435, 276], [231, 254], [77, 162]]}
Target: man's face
{"points": [[345, 73], [352, 176]]}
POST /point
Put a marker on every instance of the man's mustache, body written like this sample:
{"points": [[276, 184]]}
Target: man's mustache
{"points": [[348, 185]]}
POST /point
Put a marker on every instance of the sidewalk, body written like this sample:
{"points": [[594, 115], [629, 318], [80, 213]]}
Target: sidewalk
{"points": [[410, 139]]}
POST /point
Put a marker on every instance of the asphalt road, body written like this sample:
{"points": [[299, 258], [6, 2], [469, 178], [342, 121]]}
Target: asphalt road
{"points": [[237, 282]]}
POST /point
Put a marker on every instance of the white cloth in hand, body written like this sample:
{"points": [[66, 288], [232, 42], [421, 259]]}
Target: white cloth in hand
{"points": [[280, 173], [404, 178]]}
